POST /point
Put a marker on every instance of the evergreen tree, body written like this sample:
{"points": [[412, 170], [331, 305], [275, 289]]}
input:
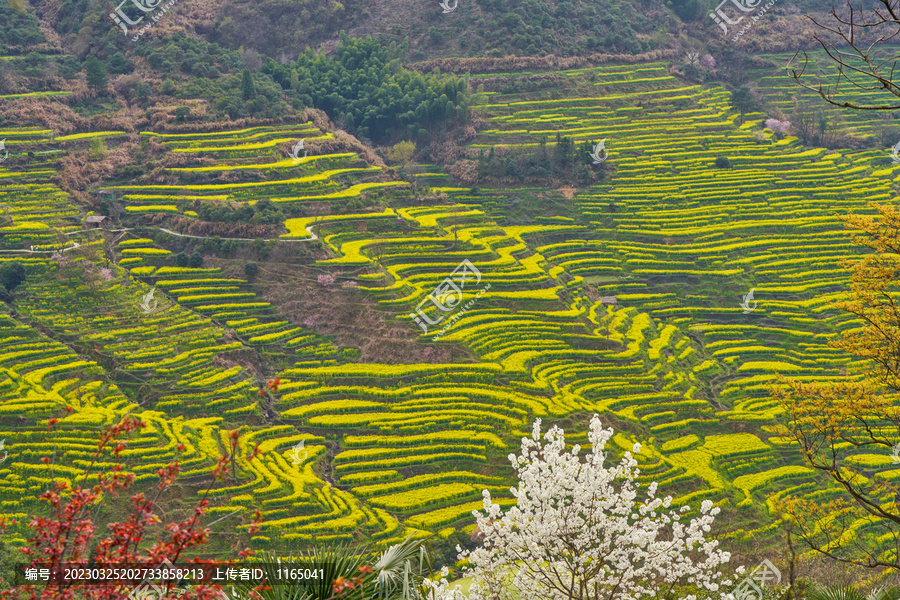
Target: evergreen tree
{"points": [[12, 274], [143, 93], [742, 100], [248, 90], [119, 64], [96, 74], [687, 10]]}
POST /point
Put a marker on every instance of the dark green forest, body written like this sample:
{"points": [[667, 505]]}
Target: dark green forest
{"points": [[364, 87]]}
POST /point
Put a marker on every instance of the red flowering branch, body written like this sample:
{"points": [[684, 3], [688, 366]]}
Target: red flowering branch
{"points": [[343, 585], [268, 392], [66, 535]]}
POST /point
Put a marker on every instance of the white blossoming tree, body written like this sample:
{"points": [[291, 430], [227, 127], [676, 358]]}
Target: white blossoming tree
{"points": [[578, 532]]}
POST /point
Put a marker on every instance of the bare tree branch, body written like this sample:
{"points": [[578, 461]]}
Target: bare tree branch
{"points": [[859, 67]]}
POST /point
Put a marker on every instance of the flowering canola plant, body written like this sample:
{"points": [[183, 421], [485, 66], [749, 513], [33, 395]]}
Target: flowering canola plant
{"points": [[578, 531]]}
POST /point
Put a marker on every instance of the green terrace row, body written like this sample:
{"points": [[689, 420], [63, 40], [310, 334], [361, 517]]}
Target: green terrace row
{"points": [[310, 176], [109, 318], [651, 257], [43, 376], [228, 300]]}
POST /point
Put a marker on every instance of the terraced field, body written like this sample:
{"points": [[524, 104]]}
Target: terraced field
{"points": [[677, 242], [395, 448], [310, 177], [85, 339]]}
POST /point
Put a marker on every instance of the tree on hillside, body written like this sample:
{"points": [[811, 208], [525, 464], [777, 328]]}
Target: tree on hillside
{"points": [[11, 275], [862, 68], [247, 88], [96, 74], [742, 100], [579, 532], [98, 149], [119, 64], [401, 152], [687, 10], [833, 421]]}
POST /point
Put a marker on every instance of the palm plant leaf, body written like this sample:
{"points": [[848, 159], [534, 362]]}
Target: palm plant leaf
{"points": [[847, 592], [888, 593], [397, 574], [331, 562], [400, 569]]}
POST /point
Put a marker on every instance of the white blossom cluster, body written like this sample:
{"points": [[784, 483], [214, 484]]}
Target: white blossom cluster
{"points": [[579, 532]]}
